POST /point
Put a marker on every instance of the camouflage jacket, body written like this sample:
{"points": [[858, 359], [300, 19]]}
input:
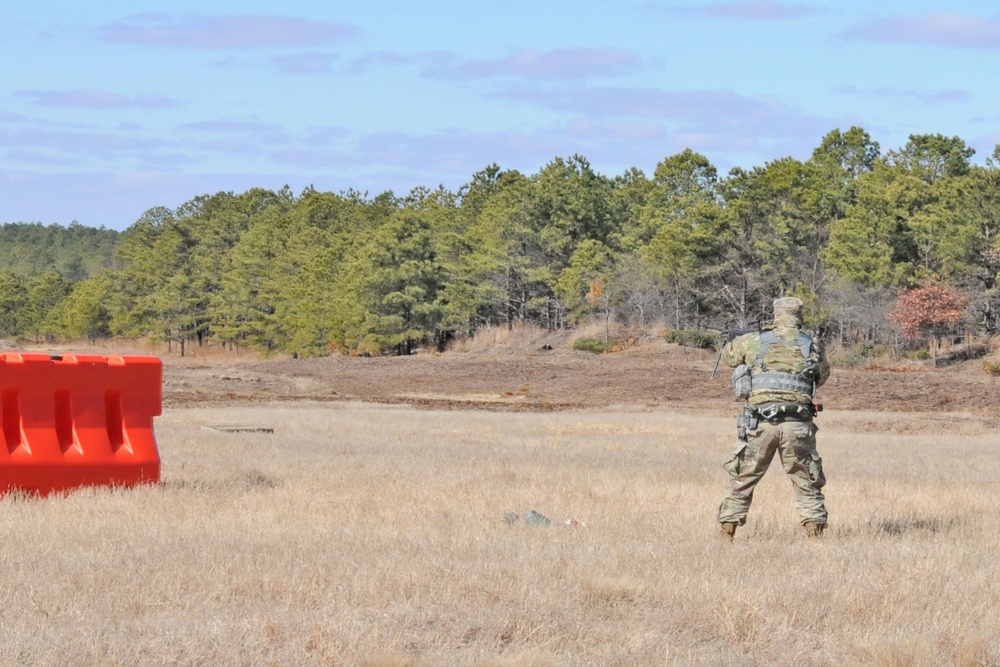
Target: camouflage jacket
{"points": [[779, 358]]}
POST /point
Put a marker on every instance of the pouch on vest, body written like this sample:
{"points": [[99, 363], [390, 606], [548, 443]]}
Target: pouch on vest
{"points": [[741, 381]]}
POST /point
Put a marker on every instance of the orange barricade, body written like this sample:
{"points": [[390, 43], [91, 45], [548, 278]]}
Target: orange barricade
{"points": [[77, 420]]}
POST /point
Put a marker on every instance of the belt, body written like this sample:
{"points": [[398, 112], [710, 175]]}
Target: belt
{"points": [[781, 412]]}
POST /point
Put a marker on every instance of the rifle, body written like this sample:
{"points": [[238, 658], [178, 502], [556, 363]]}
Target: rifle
{"points": [[729, 335]]}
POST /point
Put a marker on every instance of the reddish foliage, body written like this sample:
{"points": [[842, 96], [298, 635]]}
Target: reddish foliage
{"points": [[928, 309], [595, 293]]}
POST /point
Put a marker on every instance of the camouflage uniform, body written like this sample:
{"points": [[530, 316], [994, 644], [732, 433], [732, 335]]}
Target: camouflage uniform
{"points": [[779, 417]]}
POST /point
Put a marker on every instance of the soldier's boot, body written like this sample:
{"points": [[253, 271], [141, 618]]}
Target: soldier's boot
{"points": [[814, 529], [728, 531]]}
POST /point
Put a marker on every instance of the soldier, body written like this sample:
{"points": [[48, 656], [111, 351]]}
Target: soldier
{"points": [[777, 371]]}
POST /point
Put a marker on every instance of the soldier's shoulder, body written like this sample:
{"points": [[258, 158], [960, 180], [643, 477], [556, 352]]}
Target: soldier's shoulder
{"points": [[747, 341]]}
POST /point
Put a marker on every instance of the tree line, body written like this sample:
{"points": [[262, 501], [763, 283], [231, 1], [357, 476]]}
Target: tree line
{"points": [[847, 231]]}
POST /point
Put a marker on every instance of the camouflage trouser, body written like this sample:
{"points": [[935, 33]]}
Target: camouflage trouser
{"points": [[796, 443]]}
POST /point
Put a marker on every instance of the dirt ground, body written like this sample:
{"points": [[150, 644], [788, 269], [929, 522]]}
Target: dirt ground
{"points": [[651, 374]]}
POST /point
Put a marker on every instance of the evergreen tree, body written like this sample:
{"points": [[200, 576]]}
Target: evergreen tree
{"points": [[395, 282], [13, 305]]}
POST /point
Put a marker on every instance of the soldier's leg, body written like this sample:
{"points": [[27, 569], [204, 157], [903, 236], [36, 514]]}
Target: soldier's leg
{"points": [[804, 467], [746, 466]]}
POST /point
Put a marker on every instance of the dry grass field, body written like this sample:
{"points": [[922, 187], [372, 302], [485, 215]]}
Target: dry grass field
{"points": [[372, 535]]}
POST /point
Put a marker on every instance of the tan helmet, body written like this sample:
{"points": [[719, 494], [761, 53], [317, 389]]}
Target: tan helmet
{"points": [[788, 306]]}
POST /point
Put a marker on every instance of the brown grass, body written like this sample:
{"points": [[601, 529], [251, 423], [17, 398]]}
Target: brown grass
{"points": [[364, 535]]}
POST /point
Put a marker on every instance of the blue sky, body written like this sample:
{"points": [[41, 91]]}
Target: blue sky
{"points": [[110, 108]]}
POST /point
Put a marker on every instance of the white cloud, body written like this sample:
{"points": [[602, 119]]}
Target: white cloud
{"points": [[90, 98], [556, 65], [250, 31], [941, 29]]}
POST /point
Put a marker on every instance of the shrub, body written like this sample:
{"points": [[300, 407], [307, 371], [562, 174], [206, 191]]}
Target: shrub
{"points": [[594, 345], [867, 351], [991, 367], [857, 354], [703, 340]]}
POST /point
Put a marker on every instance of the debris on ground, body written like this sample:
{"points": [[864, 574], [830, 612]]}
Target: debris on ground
{"points": [[239, 428], [534, 518]]}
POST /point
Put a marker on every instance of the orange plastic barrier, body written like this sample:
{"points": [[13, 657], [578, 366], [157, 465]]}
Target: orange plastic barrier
{"points": [[77, 420]]}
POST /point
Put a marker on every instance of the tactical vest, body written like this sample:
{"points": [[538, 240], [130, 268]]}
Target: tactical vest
{"points": [[801, 381]]}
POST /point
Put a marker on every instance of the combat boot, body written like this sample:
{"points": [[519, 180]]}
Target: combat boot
{"points": [[814, 529], [728, 531]]}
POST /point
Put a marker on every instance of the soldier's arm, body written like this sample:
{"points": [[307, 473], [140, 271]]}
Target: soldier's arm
{"points": [[734, 351]]}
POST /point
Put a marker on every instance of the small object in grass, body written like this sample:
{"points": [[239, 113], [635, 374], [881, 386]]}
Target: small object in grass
{"points": [[533, 518]]}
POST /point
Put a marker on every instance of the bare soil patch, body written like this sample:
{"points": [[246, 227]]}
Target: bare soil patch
{"points": [[652, 374]]}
